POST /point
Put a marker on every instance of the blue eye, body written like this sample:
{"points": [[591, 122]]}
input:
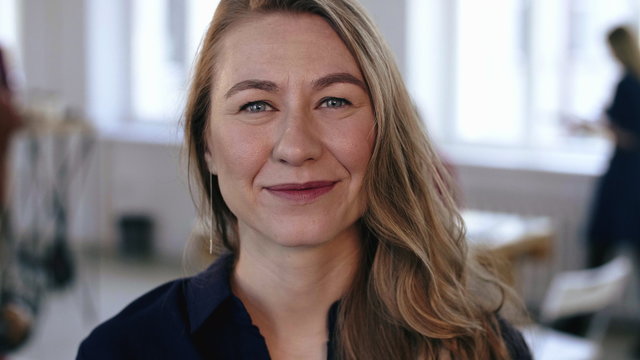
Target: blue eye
{"points": [[334, 103], [256, 107]]}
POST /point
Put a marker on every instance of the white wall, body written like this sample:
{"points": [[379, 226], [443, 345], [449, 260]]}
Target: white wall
{"points": [[391, 18], [149, 179]]}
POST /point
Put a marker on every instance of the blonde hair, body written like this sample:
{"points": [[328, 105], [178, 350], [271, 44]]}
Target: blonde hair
{"points": [[625, 47], [411, 297]]}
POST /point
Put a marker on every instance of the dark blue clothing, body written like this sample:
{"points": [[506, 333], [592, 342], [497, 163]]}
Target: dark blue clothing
{"points": [[624, 111], [616, 212], [200, 318]]}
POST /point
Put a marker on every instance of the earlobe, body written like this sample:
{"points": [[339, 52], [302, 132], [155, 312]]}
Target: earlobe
{"points": [[210, 164]]}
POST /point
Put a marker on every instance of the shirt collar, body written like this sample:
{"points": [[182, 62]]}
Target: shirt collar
{"points": [[210, 288], [207, 290]]}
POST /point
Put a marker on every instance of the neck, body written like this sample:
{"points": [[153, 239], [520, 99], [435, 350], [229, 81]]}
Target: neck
{"points": [[288, 290]]}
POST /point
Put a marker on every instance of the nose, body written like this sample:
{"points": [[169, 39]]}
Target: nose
{"points": [[297, 141]]}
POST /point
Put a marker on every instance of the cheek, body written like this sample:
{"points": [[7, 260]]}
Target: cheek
{"points": [[354, 145], [237, 153]]}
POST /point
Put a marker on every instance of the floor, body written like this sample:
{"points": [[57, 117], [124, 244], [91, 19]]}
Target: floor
{"points": [[107, 284], [104, 287]]}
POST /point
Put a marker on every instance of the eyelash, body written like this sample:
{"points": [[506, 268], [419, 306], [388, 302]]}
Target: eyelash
{"points": [[246, 106], [343, 102]]}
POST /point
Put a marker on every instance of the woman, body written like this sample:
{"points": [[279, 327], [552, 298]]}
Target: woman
{"points": [[615, 218], [325, 196], [16, 319], [616, 215]]}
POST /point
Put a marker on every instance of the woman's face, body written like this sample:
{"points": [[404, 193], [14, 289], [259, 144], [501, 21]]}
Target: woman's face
{"points": [[291, 130]]}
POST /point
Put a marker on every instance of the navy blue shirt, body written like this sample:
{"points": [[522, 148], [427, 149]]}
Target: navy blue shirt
{"points": [[615, 216], [200, 318], [624, 111]]}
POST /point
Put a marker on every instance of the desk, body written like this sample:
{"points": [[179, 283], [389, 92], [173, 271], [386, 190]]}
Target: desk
{"points": [[508, 237]]}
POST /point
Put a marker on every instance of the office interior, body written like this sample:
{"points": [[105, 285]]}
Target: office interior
{"points": [[503, 87]]}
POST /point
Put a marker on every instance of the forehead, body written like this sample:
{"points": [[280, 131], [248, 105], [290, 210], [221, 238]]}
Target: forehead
{"points": [[268, 46]]}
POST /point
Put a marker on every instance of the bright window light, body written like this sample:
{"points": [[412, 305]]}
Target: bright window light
{"points": [[490, 72], [513, 72], [9, 24], [166, 36]]}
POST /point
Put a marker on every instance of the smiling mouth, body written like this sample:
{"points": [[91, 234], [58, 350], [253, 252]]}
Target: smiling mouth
{"points": [[304, 193]]}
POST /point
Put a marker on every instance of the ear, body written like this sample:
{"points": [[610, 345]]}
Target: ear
{"points": [[208, 157]]}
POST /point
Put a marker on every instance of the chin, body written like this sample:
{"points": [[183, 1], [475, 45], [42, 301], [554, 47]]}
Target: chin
{"points": [[303, 238], [311, 235]]}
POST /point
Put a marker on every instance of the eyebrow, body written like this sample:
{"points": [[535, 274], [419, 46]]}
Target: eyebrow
{"points": [[331, 79], [317, 84], [265, 85]]}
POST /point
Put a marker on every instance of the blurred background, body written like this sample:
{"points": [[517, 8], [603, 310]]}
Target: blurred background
{"points": [[98, 208]]}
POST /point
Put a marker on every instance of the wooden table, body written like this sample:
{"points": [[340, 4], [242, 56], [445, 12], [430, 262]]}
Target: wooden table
{"points": [[508, 238]]}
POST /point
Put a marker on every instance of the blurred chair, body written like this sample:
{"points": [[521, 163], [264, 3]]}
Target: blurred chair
{"points": [[574, 293]]}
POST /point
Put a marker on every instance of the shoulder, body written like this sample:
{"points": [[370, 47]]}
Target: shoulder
{"points": [[156, 315], [629, 84], [513, 339]]}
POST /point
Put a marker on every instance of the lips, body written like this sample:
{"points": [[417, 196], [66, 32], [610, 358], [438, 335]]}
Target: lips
{"points": [[305, 192]]}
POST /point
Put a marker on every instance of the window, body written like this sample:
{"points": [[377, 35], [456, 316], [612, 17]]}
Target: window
{"points": [[9, 25], [490, 65], [512, 72], [572, 72], [165, 37]]}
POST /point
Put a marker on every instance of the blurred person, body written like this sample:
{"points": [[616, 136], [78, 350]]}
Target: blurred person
{"points": [[616, 214], [10, 122], [614, 223], [615, 219], [15, 317], [336, 233]]}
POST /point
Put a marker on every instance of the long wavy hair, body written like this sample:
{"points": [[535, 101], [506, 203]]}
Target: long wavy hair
{"points": [[625, 47], [413, 295]]}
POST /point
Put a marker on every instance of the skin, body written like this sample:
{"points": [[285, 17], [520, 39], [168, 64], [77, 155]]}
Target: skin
{"points": [[290, 107]]}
